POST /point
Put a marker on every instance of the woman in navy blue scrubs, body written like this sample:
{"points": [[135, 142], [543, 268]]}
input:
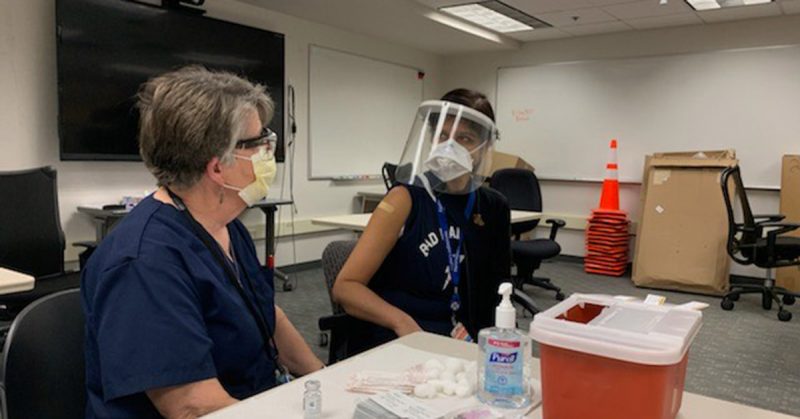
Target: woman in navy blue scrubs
{"points": [[180, 315]]}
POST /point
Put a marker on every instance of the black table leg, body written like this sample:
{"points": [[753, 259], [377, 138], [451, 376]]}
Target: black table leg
{"points": [[269, 211]]}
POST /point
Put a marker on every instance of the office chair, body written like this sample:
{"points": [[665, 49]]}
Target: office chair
{"points": [[31, 238], [521, 189], [388, 173], [43, 360], [341, 326], [758, 240]]}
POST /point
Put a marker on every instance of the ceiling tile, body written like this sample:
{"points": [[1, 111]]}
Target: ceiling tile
{"points": [[790, 7], [538, 34], [647, 8], [534, 7], [680, 19], [597, 28], [741, 12], [576, 17]]}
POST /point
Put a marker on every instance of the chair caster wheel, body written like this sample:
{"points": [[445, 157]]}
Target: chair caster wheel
{"points": [[734, 297], [560, 296], [288, 286], [784, 315], [788, 300], [726, 304]]}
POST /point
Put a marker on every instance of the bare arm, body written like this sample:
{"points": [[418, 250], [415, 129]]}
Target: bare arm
{"points": [[192, 400], [292, 348], [350, 289]]}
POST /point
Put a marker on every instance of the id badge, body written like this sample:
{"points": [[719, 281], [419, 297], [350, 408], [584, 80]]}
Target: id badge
{"points": [[460, 332], [282, 376]]}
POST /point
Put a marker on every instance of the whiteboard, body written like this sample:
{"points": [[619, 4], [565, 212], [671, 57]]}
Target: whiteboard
{"points": [[560, 117], [360, 113]]}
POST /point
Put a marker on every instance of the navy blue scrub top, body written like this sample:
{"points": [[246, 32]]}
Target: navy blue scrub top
{"points": [[161, 312]]}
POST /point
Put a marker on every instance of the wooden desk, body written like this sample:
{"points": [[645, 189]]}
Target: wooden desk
{"points": [[13, 281], [286, 401], [358, 222]]}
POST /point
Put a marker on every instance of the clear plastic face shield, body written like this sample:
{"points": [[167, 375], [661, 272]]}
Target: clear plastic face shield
{"points": [[449, 149]]}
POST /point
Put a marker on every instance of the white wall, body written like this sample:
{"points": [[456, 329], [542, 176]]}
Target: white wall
{"points": [[28, 108], [479, 71]]}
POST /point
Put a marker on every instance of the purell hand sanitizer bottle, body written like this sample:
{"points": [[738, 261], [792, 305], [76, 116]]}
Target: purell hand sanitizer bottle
{"points": [[505, 357]]}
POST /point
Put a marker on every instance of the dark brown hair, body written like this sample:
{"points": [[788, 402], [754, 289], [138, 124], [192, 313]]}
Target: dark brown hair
{"points": [[473, 99]]}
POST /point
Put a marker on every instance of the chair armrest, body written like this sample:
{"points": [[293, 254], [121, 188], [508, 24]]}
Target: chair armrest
{"points": [[519, 297], [772, 235], [555, 224], [769, 217], [335, 321], [86, 244]]}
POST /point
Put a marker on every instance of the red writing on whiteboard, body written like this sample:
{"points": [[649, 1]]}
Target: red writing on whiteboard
{"points": [[520, 115]]}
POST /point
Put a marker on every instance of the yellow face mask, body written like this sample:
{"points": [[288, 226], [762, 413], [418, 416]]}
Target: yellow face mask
{"points": [[264, 168]]}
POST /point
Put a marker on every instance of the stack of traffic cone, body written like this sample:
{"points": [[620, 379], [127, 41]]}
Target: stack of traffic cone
{"points": [[607, 233]]}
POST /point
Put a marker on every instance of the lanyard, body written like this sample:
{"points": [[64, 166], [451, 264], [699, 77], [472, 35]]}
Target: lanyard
{"points": [[453, 258], [267, 334]]}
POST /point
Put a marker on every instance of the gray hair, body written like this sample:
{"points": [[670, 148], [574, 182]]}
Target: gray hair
{"points": [[191, 115]]}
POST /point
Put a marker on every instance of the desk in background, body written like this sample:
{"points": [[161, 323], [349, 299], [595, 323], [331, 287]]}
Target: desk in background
{"points": [[105, 219], [13, 281], [358, 222], [369, 200], [286, 401]]}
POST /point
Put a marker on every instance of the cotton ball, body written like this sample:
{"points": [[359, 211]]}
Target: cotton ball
{"points": [[466, 383], [448, 387], [463, 390], [461, 376], [434, 363], [425, 391], [432, 373], [447, 376], [437, 384], [454, 365], [471, 367]]}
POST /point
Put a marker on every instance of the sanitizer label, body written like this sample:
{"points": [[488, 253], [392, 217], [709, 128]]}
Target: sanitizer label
{"points": [[504, 368]]}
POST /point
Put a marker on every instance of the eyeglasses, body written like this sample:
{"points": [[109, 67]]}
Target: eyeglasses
{"points": [[266, 137]]}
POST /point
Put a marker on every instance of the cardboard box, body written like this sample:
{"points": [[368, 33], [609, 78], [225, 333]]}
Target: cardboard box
{"points": [[789, 277], [508, 161], [682, 234]]}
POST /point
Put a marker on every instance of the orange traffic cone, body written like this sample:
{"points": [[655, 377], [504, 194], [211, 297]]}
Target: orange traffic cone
{"points": [[609, 198], [607, 230]]}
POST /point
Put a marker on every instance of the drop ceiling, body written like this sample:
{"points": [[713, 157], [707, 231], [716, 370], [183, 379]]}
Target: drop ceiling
{"points": [[404, 22]]}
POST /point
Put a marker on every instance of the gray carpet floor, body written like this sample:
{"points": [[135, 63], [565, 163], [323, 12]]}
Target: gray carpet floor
{"points": [[745, 355]]}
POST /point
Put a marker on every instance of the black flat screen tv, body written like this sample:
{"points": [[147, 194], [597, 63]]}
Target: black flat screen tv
{"points": [[107, 48]]}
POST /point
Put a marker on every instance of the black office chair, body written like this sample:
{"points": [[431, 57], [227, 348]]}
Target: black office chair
{"points": [[388, 173], [758, 240], [43, 360], [31, 238], [521, 189], [342, 326]]}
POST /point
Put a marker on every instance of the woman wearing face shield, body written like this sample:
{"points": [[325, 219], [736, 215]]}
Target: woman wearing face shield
{"points": [[180, 315], [438, 245]]}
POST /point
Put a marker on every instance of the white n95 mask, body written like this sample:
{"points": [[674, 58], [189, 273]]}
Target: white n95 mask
{"points": [[264, 168], [449, 149], [449, 160]]}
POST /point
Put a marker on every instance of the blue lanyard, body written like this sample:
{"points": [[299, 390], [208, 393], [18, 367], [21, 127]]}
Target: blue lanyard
{"points": [[454, 258]]}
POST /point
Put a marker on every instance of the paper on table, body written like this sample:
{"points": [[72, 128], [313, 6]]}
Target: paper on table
{"points": [[405, 407], [404, 357]]}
